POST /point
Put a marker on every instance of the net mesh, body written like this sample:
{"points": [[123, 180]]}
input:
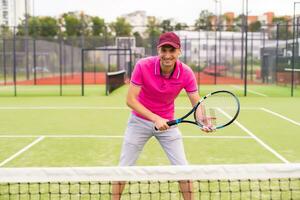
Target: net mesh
{"points": [[209, 182]]}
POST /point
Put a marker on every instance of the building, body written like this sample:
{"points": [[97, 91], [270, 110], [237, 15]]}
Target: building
{"points": [[252, 19], [12, 12], [199, 46], [229, 20], [138, 20], [267, 18]]}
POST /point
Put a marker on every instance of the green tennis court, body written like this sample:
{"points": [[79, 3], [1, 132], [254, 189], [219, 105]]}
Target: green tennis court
{"points": [[75, 131]]}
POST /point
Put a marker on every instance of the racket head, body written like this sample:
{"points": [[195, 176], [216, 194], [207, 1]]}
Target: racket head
{"points": [[217, 109]]}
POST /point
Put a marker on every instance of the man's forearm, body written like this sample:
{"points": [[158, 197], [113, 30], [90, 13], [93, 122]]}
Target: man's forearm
{"points": [[142, 110]]}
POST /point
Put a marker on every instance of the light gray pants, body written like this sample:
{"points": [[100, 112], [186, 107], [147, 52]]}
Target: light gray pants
{"points": [[139, 131]]}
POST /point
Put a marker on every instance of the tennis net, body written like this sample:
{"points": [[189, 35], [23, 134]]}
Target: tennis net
{"points": [[114, 80], [213, 182]]}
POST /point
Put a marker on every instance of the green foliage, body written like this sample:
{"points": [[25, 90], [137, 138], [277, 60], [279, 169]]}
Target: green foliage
{"points": [[49, 27], [140, 42], [39, 26], [204, 20], [121, 27], [166, 26], [283, 32], [5, 31], [181, 26], [72, 25], [279, 20], [255, 26], [99, 28], [153, 29]]}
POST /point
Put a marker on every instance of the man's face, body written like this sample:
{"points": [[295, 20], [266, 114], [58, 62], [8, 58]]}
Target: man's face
{"points": [[168, 55]]}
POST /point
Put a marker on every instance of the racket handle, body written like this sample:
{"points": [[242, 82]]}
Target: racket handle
{"points": [[170, 123]]}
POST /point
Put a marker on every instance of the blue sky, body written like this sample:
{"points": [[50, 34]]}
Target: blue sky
{"points": [[181, 10]]}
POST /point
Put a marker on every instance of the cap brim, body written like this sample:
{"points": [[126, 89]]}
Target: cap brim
{"points": [[169, 43]]}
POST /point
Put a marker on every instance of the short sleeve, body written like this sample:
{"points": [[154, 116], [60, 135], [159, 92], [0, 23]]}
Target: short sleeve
{"points": [[137, 76], [191, 82]]}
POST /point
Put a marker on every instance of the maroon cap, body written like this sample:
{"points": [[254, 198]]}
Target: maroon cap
{"points": [[169, 38]]}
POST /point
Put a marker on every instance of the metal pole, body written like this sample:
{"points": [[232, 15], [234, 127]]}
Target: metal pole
{"points": [[232, 56], [82, 72], [246, 50], [4, 59], [14, 62], [199, 60], [242, 49], [34, 61], [242, 42], [277, 47], [252, 35], [185, 49], [293, 49], [215, 67], [220, 31], [60, 67], [26, 40]]}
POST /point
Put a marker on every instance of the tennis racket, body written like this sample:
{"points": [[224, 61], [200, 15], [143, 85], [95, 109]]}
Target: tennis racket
{"points": [[215, 110]]}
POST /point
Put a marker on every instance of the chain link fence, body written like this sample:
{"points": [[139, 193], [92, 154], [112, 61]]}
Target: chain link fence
{"points": [[267, 59]]}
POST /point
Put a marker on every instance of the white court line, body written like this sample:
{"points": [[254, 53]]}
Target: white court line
{"points": [[256, 138], [63, 107], [91, 108], [281, 116], [251, 91], [21, 151], [117, 136]]}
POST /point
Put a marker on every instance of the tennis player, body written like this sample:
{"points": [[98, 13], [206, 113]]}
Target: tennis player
{"points": [[155, 83]]}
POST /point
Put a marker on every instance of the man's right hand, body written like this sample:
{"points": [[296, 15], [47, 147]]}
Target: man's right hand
{"points": [[160, 123]]}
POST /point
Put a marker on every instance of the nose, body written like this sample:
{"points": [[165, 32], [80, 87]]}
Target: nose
{"points": [[167, 54]]}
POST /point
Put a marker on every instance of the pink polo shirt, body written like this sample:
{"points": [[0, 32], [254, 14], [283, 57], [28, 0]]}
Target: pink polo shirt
{"points": [[158, 93]]}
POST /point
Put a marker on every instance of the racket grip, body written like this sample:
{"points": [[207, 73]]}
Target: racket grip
{"points": [[172, 122]]}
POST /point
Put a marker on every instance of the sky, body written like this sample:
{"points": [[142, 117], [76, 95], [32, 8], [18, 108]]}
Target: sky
{"points": [[186, 11]]}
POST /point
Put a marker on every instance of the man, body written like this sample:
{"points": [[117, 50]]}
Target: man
{"points": [[155, 83]]}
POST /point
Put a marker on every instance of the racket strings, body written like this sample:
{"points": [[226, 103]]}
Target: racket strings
{"points": [[216, 110]]}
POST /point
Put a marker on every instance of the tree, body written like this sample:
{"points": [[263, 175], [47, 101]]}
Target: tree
{"points": [[98, 26], [229, 22], [121, 27], [166, 26], [139, 39], [238, 23], [181, 26], [5, 31], [33, 26], [153, 32], [204, 20], [283, 28], [276, 20], [255, 26], [48, 27], [72, 25]]}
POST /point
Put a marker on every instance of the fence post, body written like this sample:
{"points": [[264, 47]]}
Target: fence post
{"points": [[4, 60], [14, 62]]}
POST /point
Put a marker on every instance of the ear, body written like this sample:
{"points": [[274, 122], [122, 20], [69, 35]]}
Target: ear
{"points": [[158, 49], [179, 53]]}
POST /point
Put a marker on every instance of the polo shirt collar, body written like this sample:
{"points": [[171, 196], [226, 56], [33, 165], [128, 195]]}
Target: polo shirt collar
{"points": [[175, 74]]}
